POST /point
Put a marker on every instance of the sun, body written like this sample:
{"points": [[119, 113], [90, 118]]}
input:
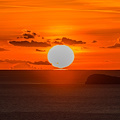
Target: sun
{"points": [[61, 56]]}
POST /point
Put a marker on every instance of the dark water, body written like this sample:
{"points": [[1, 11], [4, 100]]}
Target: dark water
{"points": [[59, 102], [57, 95], [50, 76]]}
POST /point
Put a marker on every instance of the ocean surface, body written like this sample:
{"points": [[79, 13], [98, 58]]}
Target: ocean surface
{"points": [[48, 101]]}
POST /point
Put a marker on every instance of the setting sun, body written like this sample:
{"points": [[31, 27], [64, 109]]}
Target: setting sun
{"points": [[60, 56]]}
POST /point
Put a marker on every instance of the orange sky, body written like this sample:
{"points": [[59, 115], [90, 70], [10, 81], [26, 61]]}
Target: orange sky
{"points": [[43, 24]]}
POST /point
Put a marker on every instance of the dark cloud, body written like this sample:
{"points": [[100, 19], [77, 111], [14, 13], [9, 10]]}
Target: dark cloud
{"points": [[84, 48], [71, 42], [41, 63], [34, 33], [28, 62], [40, 50], [102, 47], [118, 39], [28, 31], [48, 40], [68, 41], [3, 49], [30, 44], [94, 41], [28, 34], [58, 39], [58, 43], [117, 45]]}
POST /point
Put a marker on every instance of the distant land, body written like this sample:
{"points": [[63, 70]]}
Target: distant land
{"points": [[102, 79]]}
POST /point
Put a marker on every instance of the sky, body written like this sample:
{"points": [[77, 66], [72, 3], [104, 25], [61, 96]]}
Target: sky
{"points": [[30, 28]]}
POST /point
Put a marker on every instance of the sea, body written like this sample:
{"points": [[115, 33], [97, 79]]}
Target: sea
{"points": [[57, 95]]}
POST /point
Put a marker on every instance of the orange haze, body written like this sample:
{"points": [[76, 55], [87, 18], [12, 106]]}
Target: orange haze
{"points": [[29, 28]]}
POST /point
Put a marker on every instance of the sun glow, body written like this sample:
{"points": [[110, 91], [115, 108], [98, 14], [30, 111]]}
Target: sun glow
{"points": [[59, 30]]}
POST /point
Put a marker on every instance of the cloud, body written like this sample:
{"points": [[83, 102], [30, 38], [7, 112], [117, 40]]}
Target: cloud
{"points": [[3, 49], [84, 48], [94, 41], [71, 42], [40, 63], [103, 31], [58, 43], [40, 50], [58, 39], [22, 66], [27, 62], [101, 47], [117, 45], [28, 34], [68, 41], [28, 30], [12, 61], [30, 44]]}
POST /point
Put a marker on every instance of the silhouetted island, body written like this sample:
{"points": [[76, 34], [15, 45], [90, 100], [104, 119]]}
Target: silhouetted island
{"points": [[102, 79]]}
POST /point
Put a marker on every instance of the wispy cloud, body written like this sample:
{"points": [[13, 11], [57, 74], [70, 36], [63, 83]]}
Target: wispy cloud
{"points": [[61, 5], [3, 49], [117, 45], [28, 62]]}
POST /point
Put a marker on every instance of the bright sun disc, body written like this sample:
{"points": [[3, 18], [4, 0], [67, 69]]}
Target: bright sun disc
{"points": [[60, 56]]}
